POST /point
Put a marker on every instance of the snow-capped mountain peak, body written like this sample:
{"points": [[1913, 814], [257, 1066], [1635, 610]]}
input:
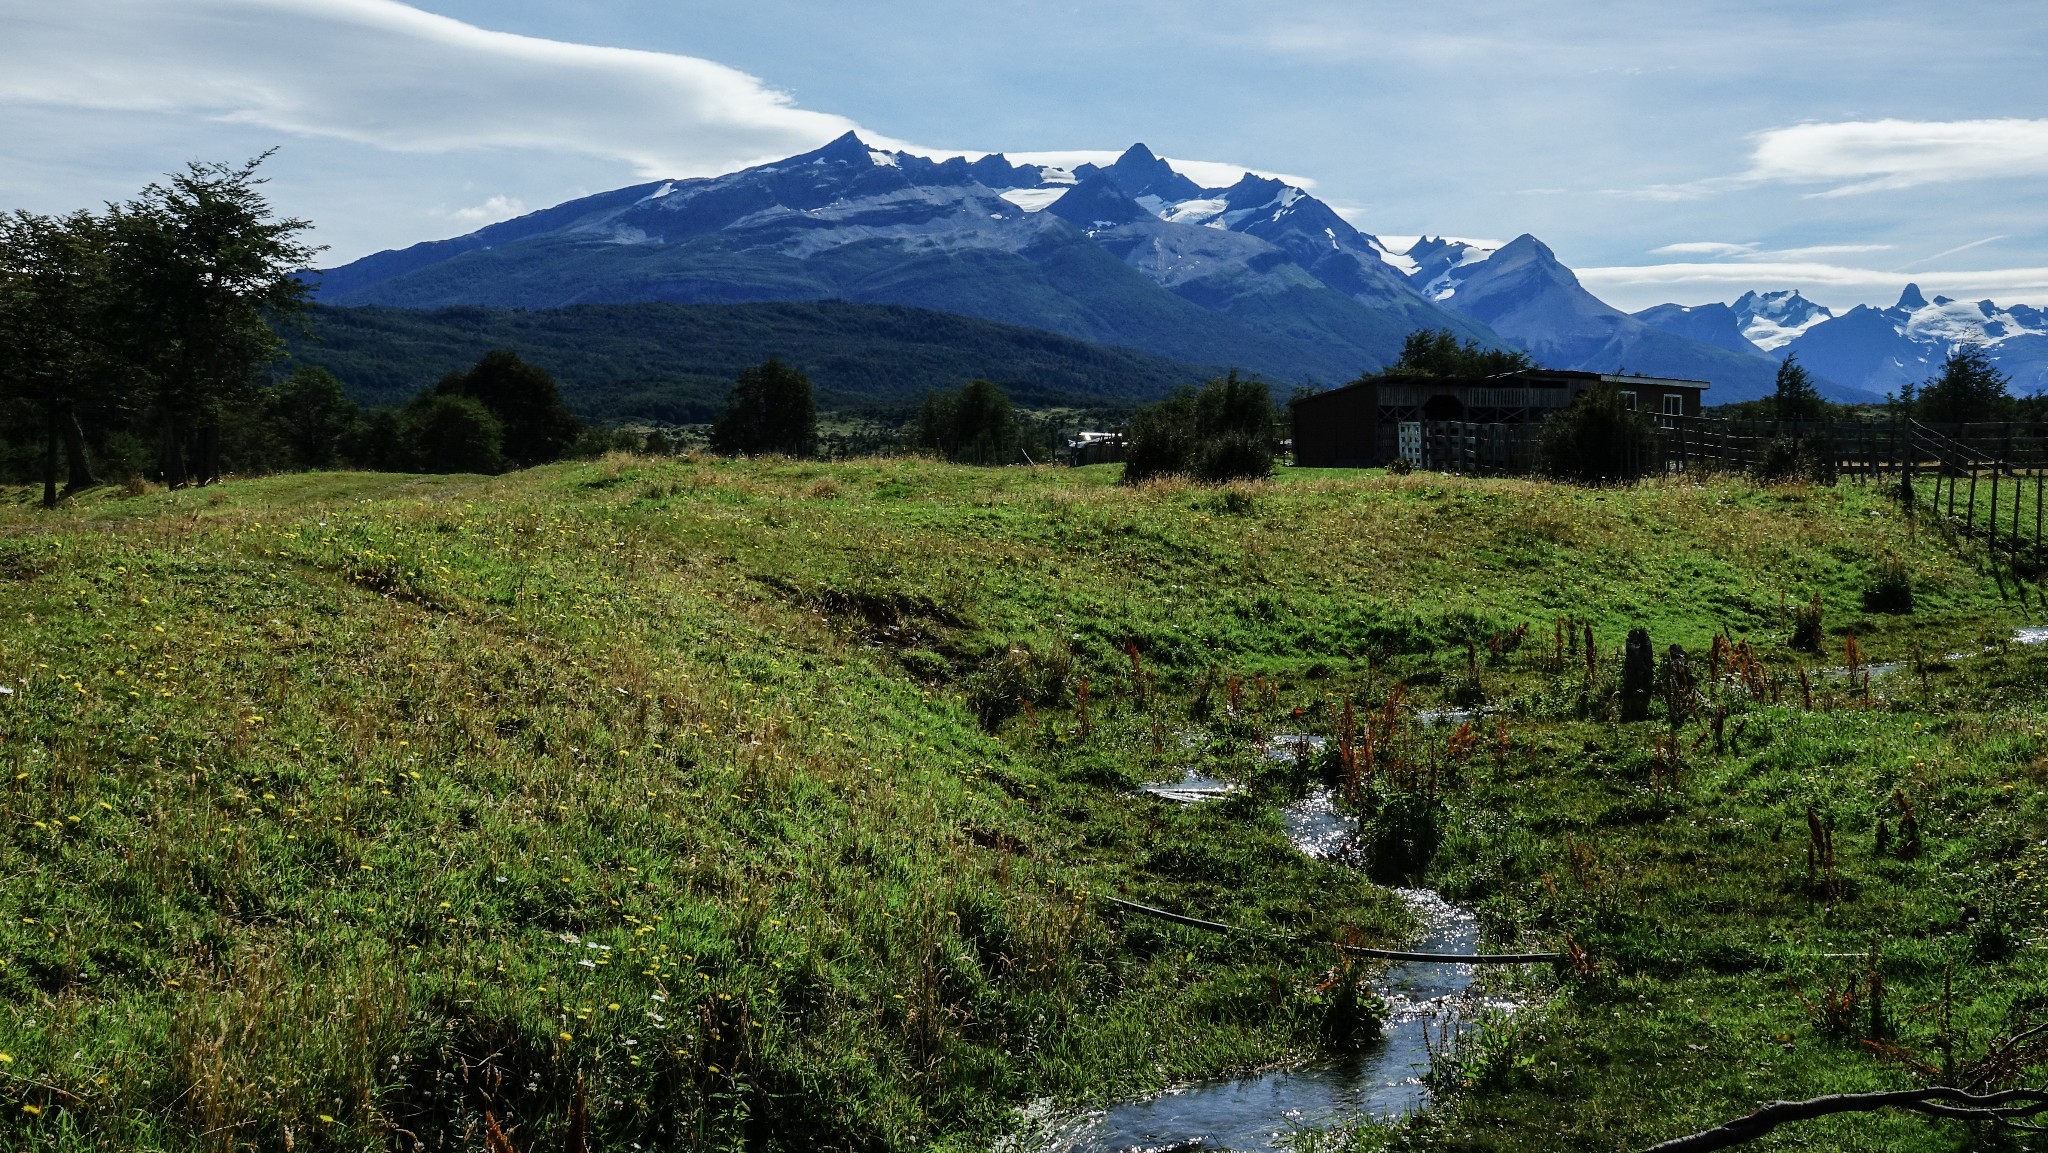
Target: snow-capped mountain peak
{"points": [[1433, 263], [1956, 322], [1771, 320]]}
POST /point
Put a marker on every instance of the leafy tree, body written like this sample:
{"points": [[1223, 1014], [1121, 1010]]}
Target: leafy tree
{"points": [[771, 410], [202, 265], [1437, 352], [538, 427], [313, 416], [1224, 432], [379, 442], [1969, 388], [1795, 397], [1600, 439], [975, 424], [446, 433], [52, 290]]}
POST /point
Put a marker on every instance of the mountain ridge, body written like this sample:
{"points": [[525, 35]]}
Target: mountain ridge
{"points": [[1259, 275]]}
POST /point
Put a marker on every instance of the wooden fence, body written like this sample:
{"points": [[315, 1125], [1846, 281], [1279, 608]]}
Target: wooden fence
{"points": [[1985, 482]]}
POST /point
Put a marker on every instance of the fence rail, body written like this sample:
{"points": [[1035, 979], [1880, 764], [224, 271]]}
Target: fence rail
{"points": [[1986, 482]]}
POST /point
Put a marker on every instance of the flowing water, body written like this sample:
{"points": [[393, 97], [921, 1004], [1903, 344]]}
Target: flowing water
{"points": [[1255, 1114]]}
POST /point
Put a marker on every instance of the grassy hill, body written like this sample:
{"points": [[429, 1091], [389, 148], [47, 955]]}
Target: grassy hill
{"points": [[674, 363], [767, 804]]}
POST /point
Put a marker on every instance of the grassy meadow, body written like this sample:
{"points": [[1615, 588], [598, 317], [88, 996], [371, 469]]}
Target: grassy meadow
{"points": [[688, 803]]}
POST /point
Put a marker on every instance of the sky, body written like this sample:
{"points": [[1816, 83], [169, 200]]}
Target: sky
{"points": [[1666, 152]]}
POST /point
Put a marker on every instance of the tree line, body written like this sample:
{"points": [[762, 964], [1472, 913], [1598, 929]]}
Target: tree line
{"points": [[141, 340]]}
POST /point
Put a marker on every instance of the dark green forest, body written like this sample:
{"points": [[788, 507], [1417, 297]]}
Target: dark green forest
{"points": [[675, 363]]}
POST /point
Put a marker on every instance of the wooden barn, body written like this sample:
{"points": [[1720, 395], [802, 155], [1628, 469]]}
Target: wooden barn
{"points": [[1488, 423]]}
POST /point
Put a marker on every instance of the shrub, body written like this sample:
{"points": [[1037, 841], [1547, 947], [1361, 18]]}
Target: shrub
{"points": [[1792, 459], [1806, 626], [1598, 440], [1224, 432], [1003, 683], [1399, 840], [1890, 589]]}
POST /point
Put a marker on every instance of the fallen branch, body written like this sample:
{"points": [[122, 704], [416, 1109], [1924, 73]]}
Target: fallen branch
{"points": [[1356, 950], [1938, 1101]]}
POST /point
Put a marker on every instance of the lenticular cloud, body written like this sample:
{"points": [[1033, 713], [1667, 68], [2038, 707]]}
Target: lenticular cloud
{"points": [[386, 74], [1875, 155]]}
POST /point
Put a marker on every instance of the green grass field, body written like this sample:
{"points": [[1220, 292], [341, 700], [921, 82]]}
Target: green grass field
{"points": [[766, 804]]}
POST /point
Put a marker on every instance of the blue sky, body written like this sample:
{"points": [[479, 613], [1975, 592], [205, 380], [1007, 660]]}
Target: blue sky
{"points": [[1667, 152]]}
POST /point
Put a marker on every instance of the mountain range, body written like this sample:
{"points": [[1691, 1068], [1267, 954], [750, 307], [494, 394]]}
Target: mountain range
{"points": [[1259, 275]]}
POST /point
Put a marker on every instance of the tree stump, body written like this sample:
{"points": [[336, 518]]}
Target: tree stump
{"points": [[1638, 676]]}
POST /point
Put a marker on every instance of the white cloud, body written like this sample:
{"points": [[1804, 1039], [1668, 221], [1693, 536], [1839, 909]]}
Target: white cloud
{"points": [[383, 73], [1875, 155], [490, 211], [1753, 251], [1704, 248]]}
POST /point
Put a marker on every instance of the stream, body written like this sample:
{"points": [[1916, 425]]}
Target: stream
{"points": [[1385, 1079], [1255, 1114]]}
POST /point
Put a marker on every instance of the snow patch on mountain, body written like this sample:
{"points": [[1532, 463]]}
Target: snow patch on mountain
{"points": [[1035, 199], [1954, 322], [1772, 320]]}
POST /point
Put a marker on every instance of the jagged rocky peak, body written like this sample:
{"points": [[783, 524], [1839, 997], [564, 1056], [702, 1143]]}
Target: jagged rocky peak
{"points": [[1911, 300], [847, 149], [1098, 202], [1140, 173]]}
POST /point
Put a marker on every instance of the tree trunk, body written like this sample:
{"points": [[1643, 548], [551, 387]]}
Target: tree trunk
{"points": [[81, 477], [209, 453], [50, 457], [173, 453]]}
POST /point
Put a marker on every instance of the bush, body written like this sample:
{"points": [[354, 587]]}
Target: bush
{"points": [[1792, 459], [1222, 433], [1399, 840], [1890, 589], [1003, 683], [1598, 440], [1806, 626]]}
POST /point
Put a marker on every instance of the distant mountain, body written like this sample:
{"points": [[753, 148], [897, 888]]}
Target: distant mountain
{"points": [[1771, 320], [1521, 291], [1715, 324], [1881, 350], [1133, 255], [674, 363]]}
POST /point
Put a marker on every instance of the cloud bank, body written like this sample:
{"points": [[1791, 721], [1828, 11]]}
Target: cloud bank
{"points": [[383, 73], [1880, 155]]}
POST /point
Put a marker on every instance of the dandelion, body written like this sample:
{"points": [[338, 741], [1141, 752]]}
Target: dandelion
{"points": [[32, 1110], [326, 1120], [568, 1036], [6, 1058]]}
